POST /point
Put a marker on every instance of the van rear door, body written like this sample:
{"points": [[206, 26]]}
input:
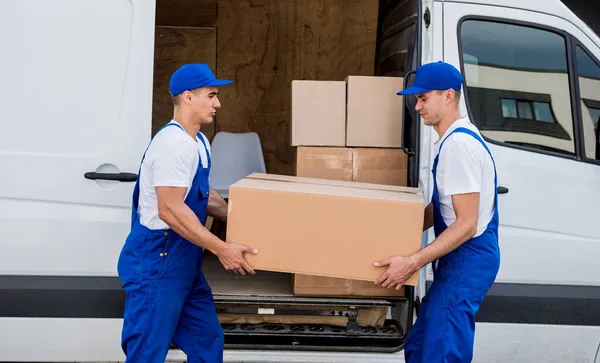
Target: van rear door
{"points": [[75, 98]]}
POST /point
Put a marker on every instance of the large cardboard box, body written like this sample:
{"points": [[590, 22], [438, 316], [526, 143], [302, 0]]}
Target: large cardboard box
{"points": [[374, 111], [367, 165], [318, 113], [323, 227]]}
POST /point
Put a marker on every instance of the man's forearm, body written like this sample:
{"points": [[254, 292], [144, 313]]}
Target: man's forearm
{"points": [[217, 206], [183, 221], [454, 236]]}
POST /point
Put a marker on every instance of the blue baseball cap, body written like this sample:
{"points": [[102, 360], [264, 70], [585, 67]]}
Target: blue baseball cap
{"points": [[192, 76], [435, 76]]}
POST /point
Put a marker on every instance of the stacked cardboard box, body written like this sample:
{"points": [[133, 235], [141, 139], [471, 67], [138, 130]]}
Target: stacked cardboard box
{"points": [[361, 111], [348, 130]]}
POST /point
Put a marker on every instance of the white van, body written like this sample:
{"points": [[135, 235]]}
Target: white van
{"points": [[75, 118]]}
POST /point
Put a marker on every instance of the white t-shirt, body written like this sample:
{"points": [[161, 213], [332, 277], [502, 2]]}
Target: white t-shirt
{"points": [[171, 160], [464, 166]]}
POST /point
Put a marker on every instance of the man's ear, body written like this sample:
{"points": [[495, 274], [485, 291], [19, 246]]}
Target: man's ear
{"points": [[449, 96], [187, 97]]}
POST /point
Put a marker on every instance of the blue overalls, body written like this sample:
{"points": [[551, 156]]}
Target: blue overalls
{"points": [[445, 328], [167, 297]]}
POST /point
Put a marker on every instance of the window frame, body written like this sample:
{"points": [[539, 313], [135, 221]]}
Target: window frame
{"points": [[574, 44], [573, 85]]}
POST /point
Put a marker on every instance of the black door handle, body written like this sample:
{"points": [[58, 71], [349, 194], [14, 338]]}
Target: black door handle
{"points": [[502, 190], [123, 177]]}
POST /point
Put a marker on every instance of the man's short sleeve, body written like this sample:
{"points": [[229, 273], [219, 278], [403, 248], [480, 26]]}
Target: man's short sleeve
{"points": [[172, 164], [462, 167]]}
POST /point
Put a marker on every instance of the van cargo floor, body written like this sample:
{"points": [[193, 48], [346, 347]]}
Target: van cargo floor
{"points": [[261, 312], [277, 322]]}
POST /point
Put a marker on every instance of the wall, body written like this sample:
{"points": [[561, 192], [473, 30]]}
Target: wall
{"points": [[185, 32], [262, 45]]}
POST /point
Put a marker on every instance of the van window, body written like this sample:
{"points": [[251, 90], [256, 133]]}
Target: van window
{"points": [[588, 73], [518, 85]]}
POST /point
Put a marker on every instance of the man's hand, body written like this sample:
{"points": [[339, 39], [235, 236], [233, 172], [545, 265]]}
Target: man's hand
{"points": [[400, 268], [232, 258]]}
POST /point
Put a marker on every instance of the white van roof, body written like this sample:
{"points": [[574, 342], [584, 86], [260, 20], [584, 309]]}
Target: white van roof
{"points": [[549, 7]]}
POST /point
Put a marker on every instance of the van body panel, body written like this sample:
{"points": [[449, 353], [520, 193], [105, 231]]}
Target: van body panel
{"points": [[71, 102]]}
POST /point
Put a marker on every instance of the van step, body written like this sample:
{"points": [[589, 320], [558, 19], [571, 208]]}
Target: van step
{"points": [[311, 329]]}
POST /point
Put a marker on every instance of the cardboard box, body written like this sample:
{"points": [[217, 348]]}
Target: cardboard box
{"points": [[368, 165], [377, 166], [374, 111], [308, 227], [333, 163], [306, 285], [380, 166], [318, 113]]}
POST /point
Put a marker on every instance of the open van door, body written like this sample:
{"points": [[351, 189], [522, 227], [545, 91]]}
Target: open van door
{"points": [[75, 116], [533, 88]]}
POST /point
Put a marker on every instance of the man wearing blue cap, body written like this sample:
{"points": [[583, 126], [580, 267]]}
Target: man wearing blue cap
{"points": [[464, 214], [167, 297]]}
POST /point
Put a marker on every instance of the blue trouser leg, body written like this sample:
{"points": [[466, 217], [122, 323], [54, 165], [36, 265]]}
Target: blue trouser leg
{"points": [[199, 333], [152, 310], [444, 330], [449, 333], [414, 341], [413, 347]]}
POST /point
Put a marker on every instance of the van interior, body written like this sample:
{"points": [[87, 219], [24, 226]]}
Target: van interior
{"points": [[330, 43]]}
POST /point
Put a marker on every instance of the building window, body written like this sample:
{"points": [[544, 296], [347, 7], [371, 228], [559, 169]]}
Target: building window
{"points": [[509, 108], [518, 85], [530, 110]]}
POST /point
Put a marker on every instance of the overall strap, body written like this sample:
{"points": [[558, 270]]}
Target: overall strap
{"points": [[205, 149]]}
